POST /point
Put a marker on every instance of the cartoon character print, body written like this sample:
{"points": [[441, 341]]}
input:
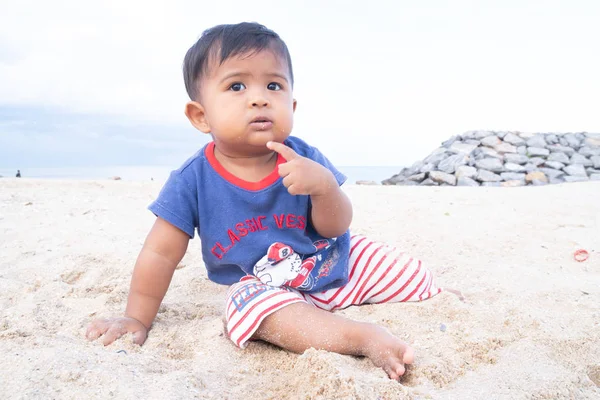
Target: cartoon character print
{"points": [[281, 266]]}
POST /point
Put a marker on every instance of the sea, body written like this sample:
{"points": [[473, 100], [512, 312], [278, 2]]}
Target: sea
{"points": [[160, 173]]}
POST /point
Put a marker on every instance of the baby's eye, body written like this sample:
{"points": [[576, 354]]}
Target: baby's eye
{"points": [[274, 86], [236, 87]]}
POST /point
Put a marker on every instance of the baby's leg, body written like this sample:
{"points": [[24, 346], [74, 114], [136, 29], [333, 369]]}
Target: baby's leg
{"points": [[300, 326], [282, 317]]}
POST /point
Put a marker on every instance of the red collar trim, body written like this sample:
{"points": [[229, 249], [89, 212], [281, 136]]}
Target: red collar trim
{"points": [[270, 179]]}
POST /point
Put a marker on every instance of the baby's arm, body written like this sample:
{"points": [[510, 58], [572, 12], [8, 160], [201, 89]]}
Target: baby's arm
{"points": [[331, 209], [163, 249], [331, 212]]}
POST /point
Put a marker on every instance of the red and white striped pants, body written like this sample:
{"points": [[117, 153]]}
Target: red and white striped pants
{"points": [[378, 274]]}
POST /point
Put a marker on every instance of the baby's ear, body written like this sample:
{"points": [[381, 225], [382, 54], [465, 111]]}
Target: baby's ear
{"points": [[195, 113], [295, 104]]}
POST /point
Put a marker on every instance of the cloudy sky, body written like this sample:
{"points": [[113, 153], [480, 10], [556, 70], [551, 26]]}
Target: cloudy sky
{"points": [[377, 82]]}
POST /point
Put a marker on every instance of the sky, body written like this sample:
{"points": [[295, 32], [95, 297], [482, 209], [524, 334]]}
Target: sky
{"points": [[378, 83]]}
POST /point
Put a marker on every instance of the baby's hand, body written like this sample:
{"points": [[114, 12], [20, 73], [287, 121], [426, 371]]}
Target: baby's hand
{"points": [[302, 175], [114, 328]]}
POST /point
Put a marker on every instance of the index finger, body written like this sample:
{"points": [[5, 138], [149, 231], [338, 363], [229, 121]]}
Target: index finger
{"points": [[287, 152]]}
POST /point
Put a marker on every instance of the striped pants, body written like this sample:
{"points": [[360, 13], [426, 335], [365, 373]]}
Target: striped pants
{"points": [[378, 274]]}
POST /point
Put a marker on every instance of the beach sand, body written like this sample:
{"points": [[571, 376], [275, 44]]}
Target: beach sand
{"points": [[529, 328]]}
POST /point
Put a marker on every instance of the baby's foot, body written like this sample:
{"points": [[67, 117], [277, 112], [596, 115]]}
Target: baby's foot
{"points": [[387, 351]]}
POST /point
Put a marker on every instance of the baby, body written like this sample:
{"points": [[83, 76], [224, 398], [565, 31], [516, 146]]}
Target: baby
{"points": [[271, 216]]}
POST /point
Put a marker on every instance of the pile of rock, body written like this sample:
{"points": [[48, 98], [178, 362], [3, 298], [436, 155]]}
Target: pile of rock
{"points": [[486, 158]]}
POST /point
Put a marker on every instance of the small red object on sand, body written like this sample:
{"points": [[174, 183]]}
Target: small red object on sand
{"points": [[581, 255]]}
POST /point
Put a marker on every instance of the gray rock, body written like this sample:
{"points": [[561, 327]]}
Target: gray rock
{"points": [[465, 171], [516, 158], [589, 151], [522, 150], [563, 142], [595, 177], [512, 176], [450, 164], [501, 134], [449, 142], [579, 159], [478, 156], [505, 148], [407, 183], [464, 181], [513, 139], [554, 164], [487, 152], [417, 177], [491, 141], [537, 141], [592, 171], [442, 177], [473, 141], [572, 140], [537, 182], [490, 164], [487, 176], [530, 167], [412, 170], [364, 182], [560, 179], [493, 184], [478, 134], [538, 151], [398, 178], [513, 183], [511, 167], [559, 157], [537, 161], [526, 135], [429, 182], [427, 167], [592, 141], [551, 139], [461, 148], [562, 149], [575, 170], [435, 158], [536, 175], [552, 173], [576, 178]]}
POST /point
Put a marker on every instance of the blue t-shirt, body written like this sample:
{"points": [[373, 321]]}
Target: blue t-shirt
{"points": [[237, 220]]}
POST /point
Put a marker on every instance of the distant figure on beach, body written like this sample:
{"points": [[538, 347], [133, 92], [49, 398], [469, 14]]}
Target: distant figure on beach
{"points": [[18, 173], [272, 219]]}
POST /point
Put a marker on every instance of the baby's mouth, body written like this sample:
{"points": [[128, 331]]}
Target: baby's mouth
{"points": [[261, 123]]}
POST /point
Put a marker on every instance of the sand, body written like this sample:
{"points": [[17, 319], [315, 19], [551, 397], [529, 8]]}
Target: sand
{"points": [[529, 328]]}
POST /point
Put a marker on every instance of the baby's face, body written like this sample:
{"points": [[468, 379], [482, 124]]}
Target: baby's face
{"points": [[248, 101]]}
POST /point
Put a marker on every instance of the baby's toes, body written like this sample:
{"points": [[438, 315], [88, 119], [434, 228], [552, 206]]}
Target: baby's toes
{"points": [[399, 369], [408, 355], [391, 373]]}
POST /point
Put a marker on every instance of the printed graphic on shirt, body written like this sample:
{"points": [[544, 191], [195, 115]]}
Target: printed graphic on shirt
{"points": [[234, 234], [281, 266], [330, 261]]}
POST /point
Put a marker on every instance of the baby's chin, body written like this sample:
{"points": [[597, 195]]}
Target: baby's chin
{"points": [[261, 138]]}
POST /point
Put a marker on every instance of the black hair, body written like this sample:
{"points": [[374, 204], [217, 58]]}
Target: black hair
{"points": [[225, 41]]}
